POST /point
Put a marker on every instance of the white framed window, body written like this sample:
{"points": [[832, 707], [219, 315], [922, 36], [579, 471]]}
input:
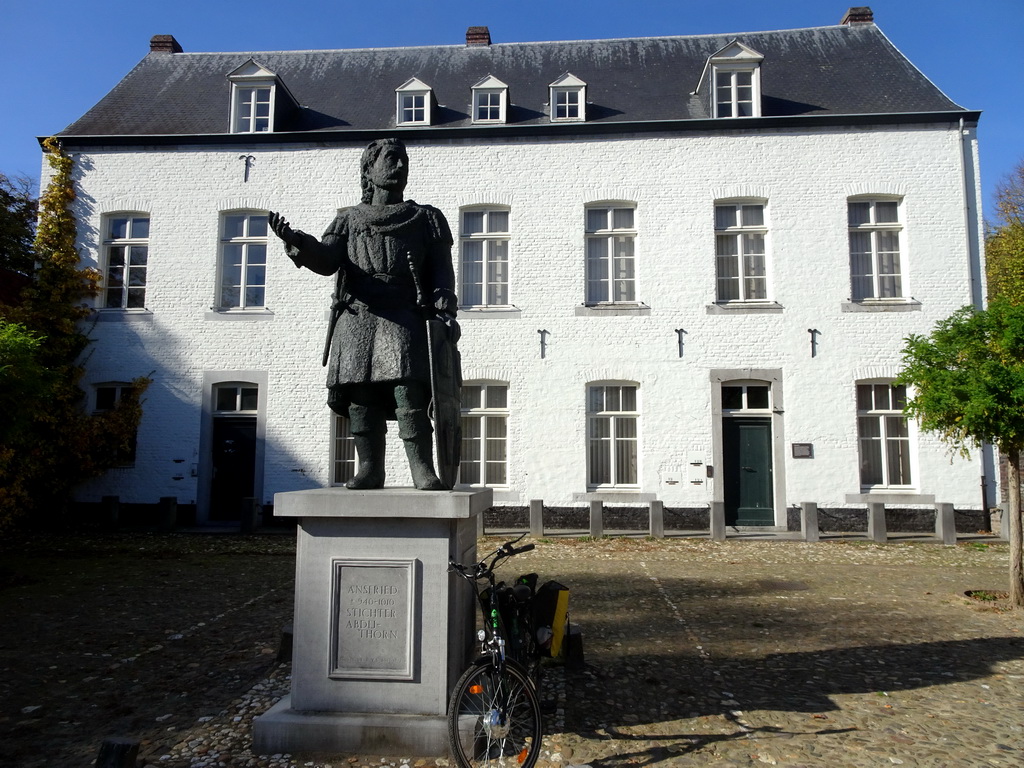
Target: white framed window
{"points": [[610, 243], [488, 107], [106, 397], [236, 399], [735, 81], [253, 97], [126, 260], [875, 260], [414, 102], [243, 265], [740, 257], [613, 417], [253, 109], [883, 435], [734, 93], [750, 398], [484, 434], [484, 241], [568, 95], [490, 101], [343, 459]]}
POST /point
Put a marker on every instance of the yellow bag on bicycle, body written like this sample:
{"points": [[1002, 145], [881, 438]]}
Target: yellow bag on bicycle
{"points": [[551, 612]]}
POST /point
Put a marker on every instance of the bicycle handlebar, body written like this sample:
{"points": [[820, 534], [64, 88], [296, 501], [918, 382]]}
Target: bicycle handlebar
{"points": [[520, 550], [487, 564]]}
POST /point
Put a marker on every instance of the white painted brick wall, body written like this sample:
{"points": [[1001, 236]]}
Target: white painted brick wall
{"points": [[805, 175]]}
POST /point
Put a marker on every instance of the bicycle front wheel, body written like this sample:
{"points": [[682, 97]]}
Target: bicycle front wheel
{"points": [[494, 719]]}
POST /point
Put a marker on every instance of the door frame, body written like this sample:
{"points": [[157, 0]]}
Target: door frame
{"points": [[772, 377], [205, 464]]}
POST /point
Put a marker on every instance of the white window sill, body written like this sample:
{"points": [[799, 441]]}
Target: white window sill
{"points": [[239, 314], [108, 315], [614, 495], [611, 309], [881, 305], [744, 308], [890, 496], [483, 312]]}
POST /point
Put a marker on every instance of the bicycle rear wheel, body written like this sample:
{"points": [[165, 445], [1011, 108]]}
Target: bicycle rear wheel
{"points": [[494, 718]]}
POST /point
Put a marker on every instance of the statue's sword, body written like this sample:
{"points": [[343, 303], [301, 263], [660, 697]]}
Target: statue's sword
{"points": [[445, 384]]}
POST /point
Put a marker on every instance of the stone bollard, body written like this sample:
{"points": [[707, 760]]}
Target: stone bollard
{"points": [[945, 524], [1004, 523], [167, 513], [284, 650], [876, 522], [596, 519], [250, 519], [809, 521], [718, 521], [536, 518], [111, 510], [657, 519], [118, 753]]}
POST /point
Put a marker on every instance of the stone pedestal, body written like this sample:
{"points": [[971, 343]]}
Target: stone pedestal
{"points": [[381, 630]]}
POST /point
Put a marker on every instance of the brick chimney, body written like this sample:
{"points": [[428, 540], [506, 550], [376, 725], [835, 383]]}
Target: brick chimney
{"points": [[859, 15], [478, 36], [164, 44]]}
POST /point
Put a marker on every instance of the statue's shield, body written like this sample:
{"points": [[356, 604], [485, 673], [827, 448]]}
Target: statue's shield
{"points": [[446, 390]]}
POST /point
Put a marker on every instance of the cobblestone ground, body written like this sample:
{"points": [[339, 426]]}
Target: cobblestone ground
{"points": [[747, 652]]}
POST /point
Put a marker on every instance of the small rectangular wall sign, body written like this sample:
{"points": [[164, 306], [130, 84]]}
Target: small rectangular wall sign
{"points": [[372, 609]]}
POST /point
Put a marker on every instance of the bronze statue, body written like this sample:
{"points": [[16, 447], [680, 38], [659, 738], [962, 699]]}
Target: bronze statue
{"points": [[391, 340]]}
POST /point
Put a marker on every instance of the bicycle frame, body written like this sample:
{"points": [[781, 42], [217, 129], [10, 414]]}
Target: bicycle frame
{"points": [[494, 716], [493, 642]]}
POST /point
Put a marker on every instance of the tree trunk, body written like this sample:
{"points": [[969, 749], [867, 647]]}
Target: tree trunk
{"points": [[1016, 532]]}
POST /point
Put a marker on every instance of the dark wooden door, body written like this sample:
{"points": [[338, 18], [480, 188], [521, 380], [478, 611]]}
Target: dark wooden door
{"points": [[234, 466], [747, 455]]}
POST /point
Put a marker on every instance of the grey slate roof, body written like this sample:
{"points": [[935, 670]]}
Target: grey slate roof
{"points": [[835, 70]]}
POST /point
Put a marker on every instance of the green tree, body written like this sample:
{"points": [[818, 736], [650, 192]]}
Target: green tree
{"points": [[58, 444], [17, 224], [968, 387]]}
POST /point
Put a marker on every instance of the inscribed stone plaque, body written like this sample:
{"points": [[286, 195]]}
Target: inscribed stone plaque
{"points": [[372, 605]]}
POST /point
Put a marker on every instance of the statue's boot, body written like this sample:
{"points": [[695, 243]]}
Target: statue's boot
{"points": [[368, 430], [415, 430]]}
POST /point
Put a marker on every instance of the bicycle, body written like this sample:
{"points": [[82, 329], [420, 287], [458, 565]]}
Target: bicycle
{"points": [[494, 716]]}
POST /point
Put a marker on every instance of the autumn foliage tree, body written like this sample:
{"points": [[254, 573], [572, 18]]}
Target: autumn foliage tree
{"points": [[17, 224], [54, 444], [1004, 242]]}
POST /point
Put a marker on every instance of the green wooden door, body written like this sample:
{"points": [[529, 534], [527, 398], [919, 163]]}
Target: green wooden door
{"points": [[747, 455], [234, 466]]}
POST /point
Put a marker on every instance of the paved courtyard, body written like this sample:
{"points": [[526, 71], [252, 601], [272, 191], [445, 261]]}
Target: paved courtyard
{"points": [[747, 652]]}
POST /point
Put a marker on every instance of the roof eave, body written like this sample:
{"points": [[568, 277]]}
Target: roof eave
{"points": [[536, 129]]}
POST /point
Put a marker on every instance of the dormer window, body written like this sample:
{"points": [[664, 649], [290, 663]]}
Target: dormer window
{"points": [[490, 101], [254, 96], [415, 100], [568, 99], [735, 81]]}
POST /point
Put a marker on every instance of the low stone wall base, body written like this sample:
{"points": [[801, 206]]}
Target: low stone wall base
{"points": [[284, 730]]}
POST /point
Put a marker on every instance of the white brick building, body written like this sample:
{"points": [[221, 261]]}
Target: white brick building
{"points": [[687, 264]]}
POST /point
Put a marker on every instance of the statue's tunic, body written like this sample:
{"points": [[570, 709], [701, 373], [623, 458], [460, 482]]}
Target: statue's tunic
{"points": [[388, 259]]}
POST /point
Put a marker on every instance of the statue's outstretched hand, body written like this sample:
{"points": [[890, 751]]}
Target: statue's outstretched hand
{"points": [[283, 229]]}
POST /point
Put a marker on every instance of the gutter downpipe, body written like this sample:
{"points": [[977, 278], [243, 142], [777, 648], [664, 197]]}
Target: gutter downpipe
{"points": [[977, 282]]}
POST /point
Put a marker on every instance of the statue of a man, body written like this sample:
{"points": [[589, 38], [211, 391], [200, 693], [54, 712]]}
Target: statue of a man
{"points": [[392, 259]]}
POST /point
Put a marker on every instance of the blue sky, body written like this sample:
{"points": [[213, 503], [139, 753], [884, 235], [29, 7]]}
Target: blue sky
{"points": [[60, 57]]}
